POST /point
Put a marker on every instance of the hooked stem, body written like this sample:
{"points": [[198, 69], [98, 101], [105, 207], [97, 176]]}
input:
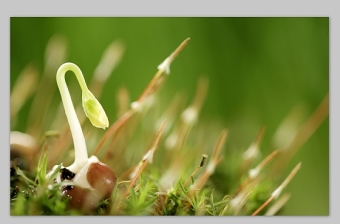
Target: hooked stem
{"points": [[81, 155]]}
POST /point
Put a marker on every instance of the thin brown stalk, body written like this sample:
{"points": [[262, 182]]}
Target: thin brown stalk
{"points": [[253, 149], [215, 160], [149, 90], [310, 126], [153, 82], [142, 164], [278, 205], [218, 148], [302, 135], [189, 116], [197, 186], [278, 190], [263, 205], [257, 169], [266, 160], [120, 138], [114, 128], [195, 171]]}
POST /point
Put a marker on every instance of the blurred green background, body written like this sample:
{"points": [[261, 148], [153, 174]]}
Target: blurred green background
{"points": [[258, 70]]}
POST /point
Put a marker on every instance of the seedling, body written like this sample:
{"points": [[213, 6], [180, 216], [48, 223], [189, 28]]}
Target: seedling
{"points": [[88, 174]]}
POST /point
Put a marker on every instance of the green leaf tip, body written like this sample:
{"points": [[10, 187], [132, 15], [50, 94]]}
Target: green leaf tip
{"points": [[94, 110]]}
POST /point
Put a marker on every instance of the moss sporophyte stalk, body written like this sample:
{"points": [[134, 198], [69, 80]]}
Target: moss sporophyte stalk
{"points": [[167, 171]]}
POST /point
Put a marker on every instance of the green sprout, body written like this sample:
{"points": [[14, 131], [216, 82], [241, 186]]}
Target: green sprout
{"points": [[94, 111], [92, 108]]}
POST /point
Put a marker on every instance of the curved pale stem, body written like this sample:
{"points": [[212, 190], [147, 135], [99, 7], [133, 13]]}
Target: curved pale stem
{"points": [[81, 155]]}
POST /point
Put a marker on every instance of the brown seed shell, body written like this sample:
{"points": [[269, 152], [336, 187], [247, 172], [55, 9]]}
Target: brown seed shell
{"points": [[101, 178]]}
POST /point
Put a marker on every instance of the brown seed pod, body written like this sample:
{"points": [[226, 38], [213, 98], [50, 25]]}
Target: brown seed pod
{"points": [[81, 198], [95, 182], [101, 178]]}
